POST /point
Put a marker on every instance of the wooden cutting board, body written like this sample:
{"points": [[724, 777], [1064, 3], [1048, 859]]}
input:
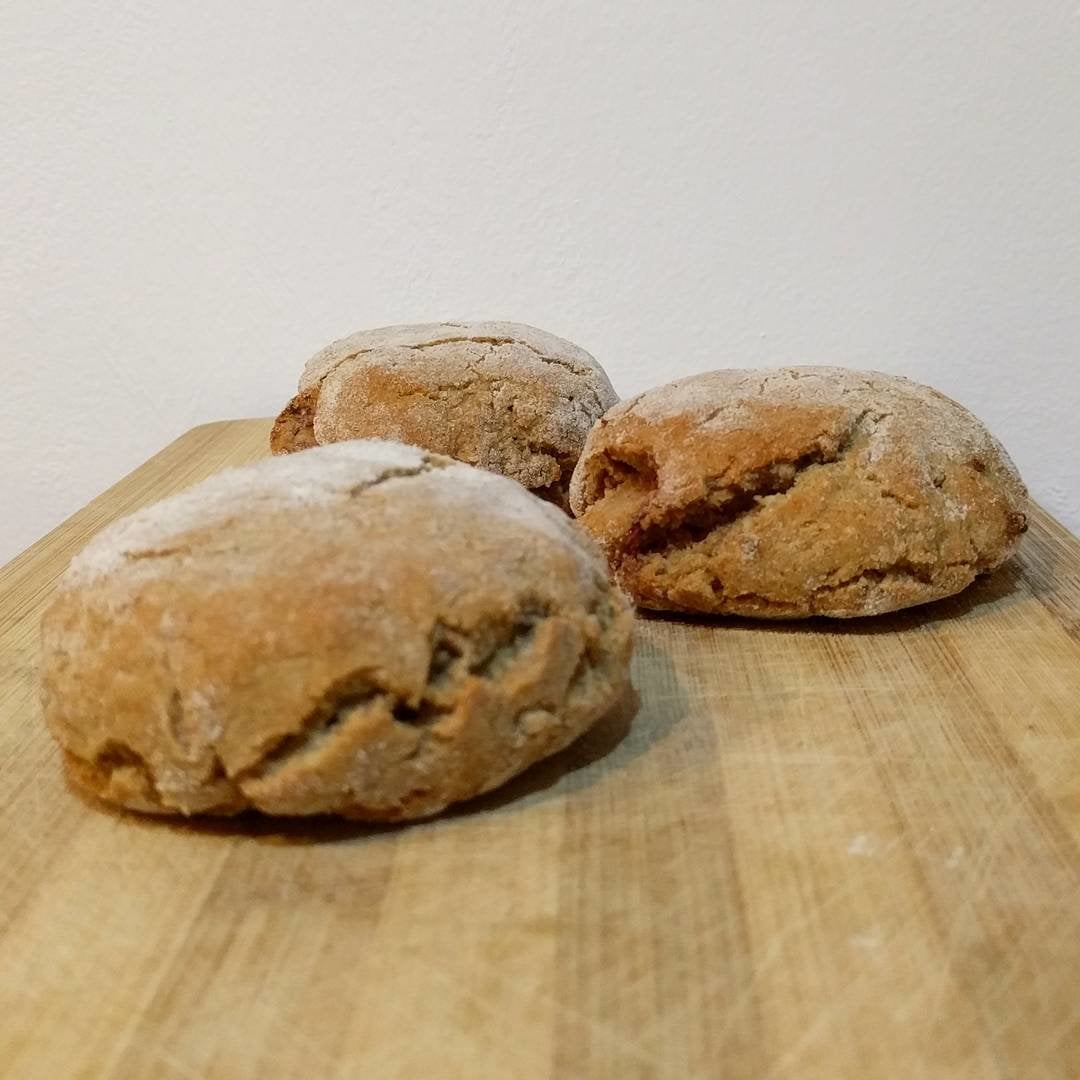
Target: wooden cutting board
{"points": [[824, 850]]}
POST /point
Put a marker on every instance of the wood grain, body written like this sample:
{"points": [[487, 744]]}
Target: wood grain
{"points": [[828, 850]]}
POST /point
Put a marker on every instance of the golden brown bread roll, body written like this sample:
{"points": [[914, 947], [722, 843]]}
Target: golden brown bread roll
{"points": [[364, 629], [502, 396], [797, 492]]}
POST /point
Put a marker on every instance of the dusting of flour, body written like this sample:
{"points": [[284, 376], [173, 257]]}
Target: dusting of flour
{"points": [[896, 413], [426, 335], [313, 478]]}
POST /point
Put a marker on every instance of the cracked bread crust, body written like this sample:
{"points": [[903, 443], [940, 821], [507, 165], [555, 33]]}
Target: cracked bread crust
{"points": [[366, 629], [797, 492], [502, 396]]}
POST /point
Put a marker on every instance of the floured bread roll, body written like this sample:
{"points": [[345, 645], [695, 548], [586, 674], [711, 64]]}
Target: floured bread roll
{"points": [[796, 492], [364, 629], [502, 396]]}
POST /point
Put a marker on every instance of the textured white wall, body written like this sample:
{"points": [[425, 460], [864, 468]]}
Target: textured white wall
{"points": [[195, 196]]}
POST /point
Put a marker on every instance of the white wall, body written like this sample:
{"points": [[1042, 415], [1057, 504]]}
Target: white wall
{"points": [[195, 196]]}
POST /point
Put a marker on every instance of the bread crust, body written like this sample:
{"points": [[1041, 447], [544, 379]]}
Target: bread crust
{"points": [[797, 492], [366, 629], [505, 397]]}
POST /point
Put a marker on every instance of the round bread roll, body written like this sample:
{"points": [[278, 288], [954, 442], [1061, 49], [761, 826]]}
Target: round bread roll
{"points": [[796, 492], [502, 396], [366, 629]]}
